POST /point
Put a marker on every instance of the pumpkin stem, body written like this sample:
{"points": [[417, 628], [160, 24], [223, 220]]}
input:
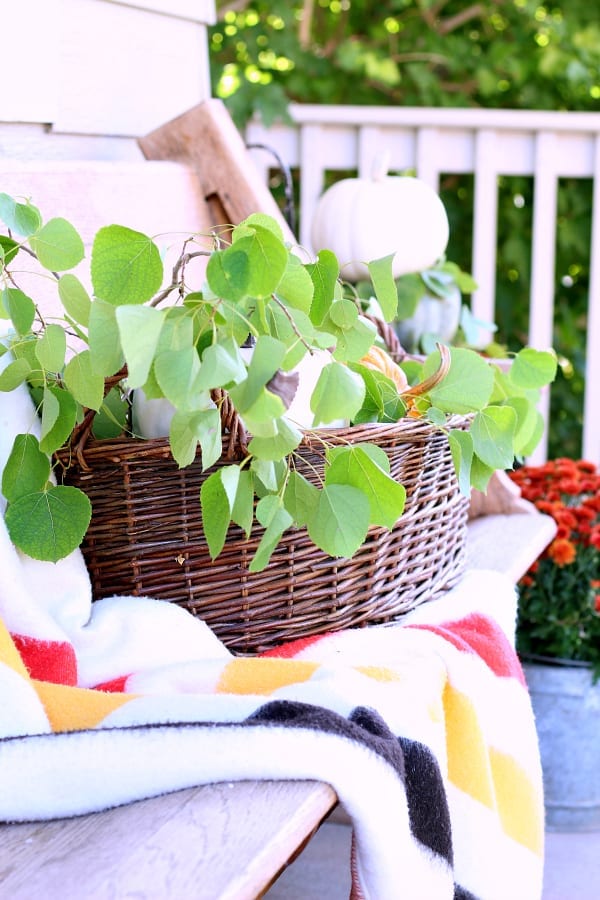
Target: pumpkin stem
{"points": [[380, 165], [424, 386]]}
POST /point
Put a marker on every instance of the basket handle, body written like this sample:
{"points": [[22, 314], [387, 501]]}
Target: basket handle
{"points": [[231, 424]]}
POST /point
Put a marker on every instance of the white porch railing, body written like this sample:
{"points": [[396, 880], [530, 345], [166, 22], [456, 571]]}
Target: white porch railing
{"points": [[489, 144]]}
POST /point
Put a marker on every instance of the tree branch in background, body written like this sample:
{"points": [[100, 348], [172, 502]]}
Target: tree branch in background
{"points": [[461, 18], [232, 6], [304, 31]]}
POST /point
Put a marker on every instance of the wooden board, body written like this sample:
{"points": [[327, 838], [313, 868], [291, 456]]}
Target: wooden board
{"points": [[206, 139], [217, 841]]}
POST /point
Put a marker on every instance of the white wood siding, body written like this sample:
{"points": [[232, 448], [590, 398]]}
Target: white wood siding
{"points": [[487, 143], [98, 70]]}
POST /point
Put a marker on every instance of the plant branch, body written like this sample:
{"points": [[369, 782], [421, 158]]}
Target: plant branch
{"points": [[286, 312], [233, 6], [177, 275], [306, 24], [35, 256], [435, 58], [461, 18]]}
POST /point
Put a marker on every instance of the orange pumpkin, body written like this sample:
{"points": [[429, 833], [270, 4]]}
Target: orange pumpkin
{"points": [[379, 360]]}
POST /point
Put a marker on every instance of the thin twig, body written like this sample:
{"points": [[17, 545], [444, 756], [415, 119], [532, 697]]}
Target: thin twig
{"points": [[286, 312], [445, 26], [305, 27], [177, 275], [35, 256]]}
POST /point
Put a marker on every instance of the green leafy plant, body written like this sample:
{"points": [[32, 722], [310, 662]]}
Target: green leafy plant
{"points": [[431, 309], [559, 604], [182, 344]]}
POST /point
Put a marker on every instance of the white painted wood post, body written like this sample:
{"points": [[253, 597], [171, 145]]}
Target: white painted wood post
{"points": [[591, 409], [485, 215]]}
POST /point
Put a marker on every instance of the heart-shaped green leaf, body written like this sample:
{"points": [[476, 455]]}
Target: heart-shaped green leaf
{"points": [[57, 433], [23, 218], [27, 468], [296, 286], [58, 245], [84, 384], [216, 512], [384, 285], [340, 522], [282, 443], [228, 273], [324, 274], [49, 524], [275, 519], [243, 508], [104, 335], [139, 328], [20, 309], [51, 348], [354, 466], [14, 374], [74, 298], [301, 498], [467, 386], [222, 365], [126, 266], [461, 448], [533, 368], [493, 431], [338, 394], [267, 259]]}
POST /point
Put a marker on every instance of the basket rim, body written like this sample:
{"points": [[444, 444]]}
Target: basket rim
{"points": [[407, 428]]}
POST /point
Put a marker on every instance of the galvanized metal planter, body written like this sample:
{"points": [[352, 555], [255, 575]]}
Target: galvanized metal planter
{"points": [[566, 705]]}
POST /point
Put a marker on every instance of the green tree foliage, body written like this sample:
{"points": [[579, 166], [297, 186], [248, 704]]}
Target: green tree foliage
{"points": [[514, 54], [498, 53]]}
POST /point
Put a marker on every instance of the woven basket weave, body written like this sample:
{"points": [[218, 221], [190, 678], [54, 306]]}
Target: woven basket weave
{"points": [[146, 538]]}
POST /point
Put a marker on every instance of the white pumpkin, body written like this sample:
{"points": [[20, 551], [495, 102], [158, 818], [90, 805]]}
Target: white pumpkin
{"points": [[439, 316], [362, 219]]}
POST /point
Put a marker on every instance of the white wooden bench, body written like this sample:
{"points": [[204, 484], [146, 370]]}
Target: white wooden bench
{"points": [[216, 841]]}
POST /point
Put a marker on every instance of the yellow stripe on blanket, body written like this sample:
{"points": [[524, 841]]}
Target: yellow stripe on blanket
{"points": [[263, 676], [519, 803], [75, 709], [489, 776], [468, 762]]}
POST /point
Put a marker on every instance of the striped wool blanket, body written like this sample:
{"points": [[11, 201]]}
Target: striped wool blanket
{"points": [[424, 729]]}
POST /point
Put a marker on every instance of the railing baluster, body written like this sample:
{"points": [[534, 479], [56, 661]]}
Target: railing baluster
{"points": [[591, 409], [429, 161], [312, 180], [543, 255], [485, 213], [371, 146]]}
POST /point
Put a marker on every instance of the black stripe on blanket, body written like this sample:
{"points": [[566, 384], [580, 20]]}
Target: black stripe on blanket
{"points": [[413, 762], [462, 894]]}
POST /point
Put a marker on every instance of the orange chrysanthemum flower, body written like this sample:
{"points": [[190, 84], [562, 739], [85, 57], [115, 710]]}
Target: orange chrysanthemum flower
{"points": [[562, 551]]}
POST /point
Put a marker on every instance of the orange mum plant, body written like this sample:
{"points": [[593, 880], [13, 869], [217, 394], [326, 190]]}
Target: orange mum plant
{"points": [[559, 604]]}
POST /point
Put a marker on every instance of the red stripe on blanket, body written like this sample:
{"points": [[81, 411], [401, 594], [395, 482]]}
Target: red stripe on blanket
{"points": [[52, 661], [292, 648], [114, 686], [478, 634]]}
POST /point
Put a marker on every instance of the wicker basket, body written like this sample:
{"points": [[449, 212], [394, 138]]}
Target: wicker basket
{"points": [[146, 538]]}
